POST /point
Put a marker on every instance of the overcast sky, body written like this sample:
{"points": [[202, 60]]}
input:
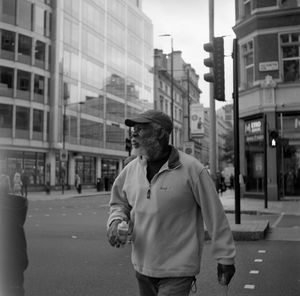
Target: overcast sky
{"points": [[187, 21]]}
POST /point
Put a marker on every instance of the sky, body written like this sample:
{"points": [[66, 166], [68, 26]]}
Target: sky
{"points": [[188, 23]]}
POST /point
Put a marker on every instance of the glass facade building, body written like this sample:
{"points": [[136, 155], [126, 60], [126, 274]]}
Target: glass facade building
{"points": [[70, 72]]}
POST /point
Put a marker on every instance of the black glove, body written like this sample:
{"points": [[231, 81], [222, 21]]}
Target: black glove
{"points": [[225, 273], [112, 233]]}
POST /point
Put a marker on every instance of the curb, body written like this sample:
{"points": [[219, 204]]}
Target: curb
{"points": [[247, 231]]}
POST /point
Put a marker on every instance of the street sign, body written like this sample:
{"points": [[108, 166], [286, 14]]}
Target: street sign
{"points": [[63, 155]]}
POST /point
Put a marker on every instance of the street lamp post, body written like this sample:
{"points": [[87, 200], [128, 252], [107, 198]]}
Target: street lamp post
{"points": [[172, 84]]}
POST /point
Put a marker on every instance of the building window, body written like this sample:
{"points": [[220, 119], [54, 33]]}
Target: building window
{"points": [[290, 45], [38, 121], [39, 52], [39, 87], [6, 81], [7, 44], [24, 15], [22, 122], [23, 84], [248, 63], [247, 8], [40, 20], [24, 49], [6, 115], [8, 11]]}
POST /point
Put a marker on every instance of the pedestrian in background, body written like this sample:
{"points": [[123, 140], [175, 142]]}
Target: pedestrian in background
{"points": [[25, 182], [13, 247], [17, 184], [166, 196], [77, 183]]}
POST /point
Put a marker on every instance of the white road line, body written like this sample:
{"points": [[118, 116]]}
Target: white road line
{"points": [[262, 251], [258, 260], [248, 286], [254, 272]]}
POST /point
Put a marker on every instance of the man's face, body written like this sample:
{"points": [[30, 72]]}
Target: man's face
{"points": [[144, 141]]}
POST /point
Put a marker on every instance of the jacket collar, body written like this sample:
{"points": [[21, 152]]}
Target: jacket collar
{"points": [[173, 161]]}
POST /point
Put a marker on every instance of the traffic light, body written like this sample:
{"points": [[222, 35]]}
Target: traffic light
{"points": [[273, 138], [128, 145], [216, 62]]}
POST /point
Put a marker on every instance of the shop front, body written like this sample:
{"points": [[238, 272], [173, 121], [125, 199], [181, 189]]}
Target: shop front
{"points": [[32, 163], [288, 154], [254, 157]]}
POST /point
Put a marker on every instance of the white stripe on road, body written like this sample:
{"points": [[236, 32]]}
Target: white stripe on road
{"points": [[258, 260], [248, 286], [254, 272], [262, 251]]}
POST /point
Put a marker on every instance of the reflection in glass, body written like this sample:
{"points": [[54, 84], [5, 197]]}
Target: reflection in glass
{"points": [[24, 15]]}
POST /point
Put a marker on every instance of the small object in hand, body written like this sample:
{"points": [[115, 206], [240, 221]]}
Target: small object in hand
{"points": [[123, 232]]}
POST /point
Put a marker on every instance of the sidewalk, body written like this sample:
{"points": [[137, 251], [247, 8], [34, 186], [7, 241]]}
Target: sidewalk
{"points": [[256, 229], [250, 229]]}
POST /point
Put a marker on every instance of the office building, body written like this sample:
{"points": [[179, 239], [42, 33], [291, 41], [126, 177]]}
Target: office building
{"points": [[70, 72]]}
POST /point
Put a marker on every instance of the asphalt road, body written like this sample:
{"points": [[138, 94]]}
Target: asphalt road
{"points": [[69, 255]]}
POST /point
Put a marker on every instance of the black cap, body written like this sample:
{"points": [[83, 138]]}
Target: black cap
{"points": [[152, 116]]}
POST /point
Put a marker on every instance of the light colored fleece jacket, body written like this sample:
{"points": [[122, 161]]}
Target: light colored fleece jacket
{"points": [[168, 216]]}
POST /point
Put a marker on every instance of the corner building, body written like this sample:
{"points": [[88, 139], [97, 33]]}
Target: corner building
{"points": [[268, 34], [70, 72]]}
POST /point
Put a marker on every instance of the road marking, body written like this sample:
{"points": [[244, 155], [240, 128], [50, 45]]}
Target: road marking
{"points": [[262, 251], [254, 272], [47, 215], [74, 236], [248, 286], [258, 260], [278, 220]]}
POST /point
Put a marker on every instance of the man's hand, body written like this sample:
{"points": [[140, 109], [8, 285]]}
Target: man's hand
{"points": [[225, 273], [112, 233]]}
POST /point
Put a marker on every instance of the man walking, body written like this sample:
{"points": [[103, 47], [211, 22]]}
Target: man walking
{"points": [[166, 196]]}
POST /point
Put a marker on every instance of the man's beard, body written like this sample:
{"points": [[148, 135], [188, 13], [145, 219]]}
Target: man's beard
{"points": [[149, 148]]}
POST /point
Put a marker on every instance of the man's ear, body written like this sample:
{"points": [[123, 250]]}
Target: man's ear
{"points": [[160, 133]]}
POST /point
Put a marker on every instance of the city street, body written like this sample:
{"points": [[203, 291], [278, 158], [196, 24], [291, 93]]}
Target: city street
{"points": [[69, 255]]}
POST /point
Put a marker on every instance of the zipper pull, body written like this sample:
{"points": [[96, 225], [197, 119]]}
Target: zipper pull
{"points": [[148, 193]]}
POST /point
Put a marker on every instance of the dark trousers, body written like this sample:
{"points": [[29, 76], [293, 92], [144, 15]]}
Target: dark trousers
{"points": [[173, 286]]}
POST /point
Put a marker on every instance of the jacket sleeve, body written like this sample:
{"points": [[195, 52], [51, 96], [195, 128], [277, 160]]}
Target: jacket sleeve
{"points": [[223, 248], [119, 205]]}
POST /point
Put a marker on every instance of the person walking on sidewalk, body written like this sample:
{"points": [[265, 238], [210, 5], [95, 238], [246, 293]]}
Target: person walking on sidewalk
{"points": [[25, 182], [166, 196], [77, 183]]}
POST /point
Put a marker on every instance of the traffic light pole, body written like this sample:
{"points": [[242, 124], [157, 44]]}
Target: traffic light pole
{"points": [[235, 94], [212, 142]]}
